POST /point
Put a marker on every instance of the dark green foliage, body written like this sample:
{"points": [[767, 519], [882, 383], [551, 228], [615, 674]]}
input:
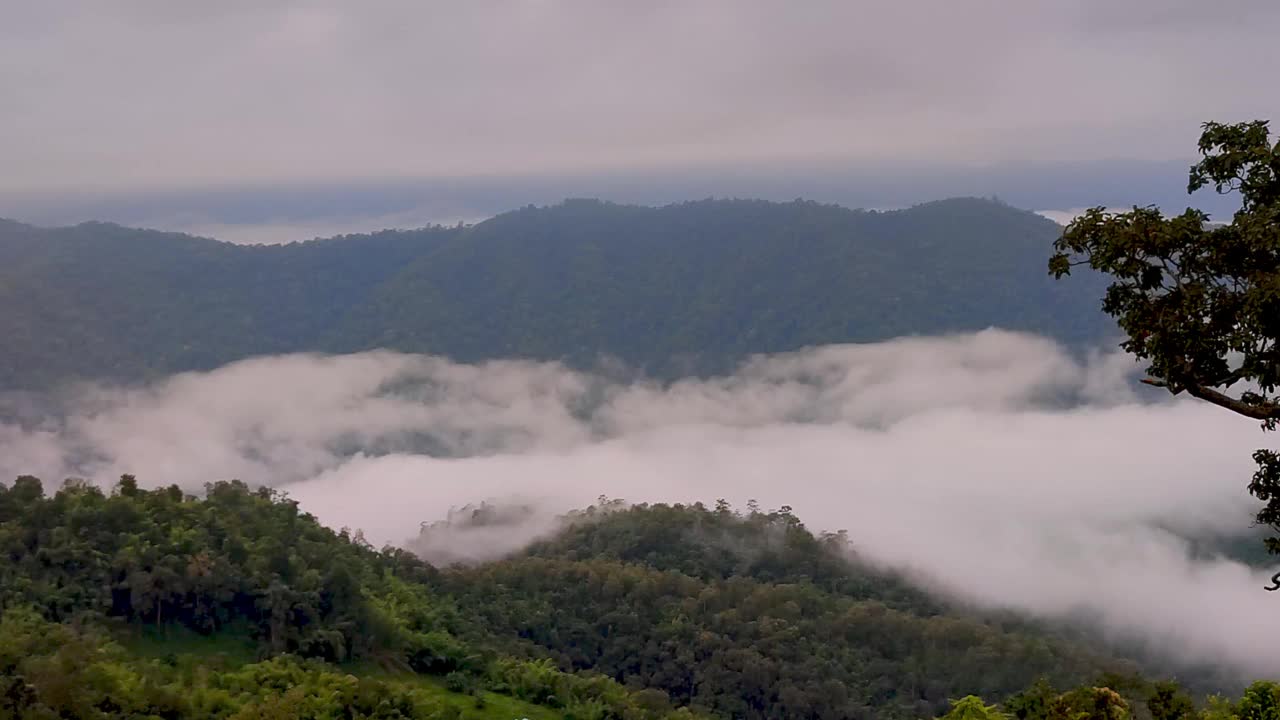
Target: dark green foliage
{"points": [[719, 543], [1168, 701], [1201, 302], [1122, 697], [1189, 294], [694, 287], [164, 557], [81, 566], [50, 670], [751, 617], [154, 603], [1261, 701]]}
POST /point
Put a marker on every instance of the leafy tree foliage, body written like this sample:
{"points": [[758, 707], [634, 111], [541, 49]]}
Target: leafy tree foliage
{"points": [[719, 544], [971, 707], [142, 603], [1201, 302], [165, 557], [50, 670], [751, 616], [1120, 698], [82, 566]]}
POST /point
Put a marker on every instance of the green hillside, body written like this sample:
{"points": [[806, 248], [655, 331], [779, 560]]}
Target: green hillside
{"points": [[158, 604], [752, 616], [693, 287], [140, 603]]}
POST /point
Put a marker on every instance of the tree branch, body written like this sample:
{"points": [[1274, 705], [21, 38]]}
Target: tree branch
{"points": [[1261, 411], [1230, 379]]}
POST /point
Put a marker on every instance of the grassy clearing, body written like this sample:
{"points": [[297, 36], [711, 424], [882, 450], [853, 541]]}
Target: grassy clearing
{"points": [[483, 705], [231, 649], [224, 650]]}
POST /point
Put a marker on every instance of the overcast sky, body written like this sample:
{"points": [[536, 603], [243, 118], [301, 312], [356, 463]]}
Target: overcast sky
{"points": [[141, 97]]}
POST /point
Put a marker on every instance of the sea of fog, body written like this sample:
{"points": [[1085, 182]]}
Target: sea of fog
{"points": [[995, 467]]}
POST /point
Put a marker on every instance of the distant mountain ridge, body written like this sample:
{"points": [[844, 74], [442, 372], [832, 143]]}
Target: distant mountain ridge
{"points": [[694, 287]]}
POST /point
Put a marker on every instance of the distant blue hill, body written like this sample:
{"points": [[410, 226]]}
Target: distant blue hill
{"points": [[686, 288]]}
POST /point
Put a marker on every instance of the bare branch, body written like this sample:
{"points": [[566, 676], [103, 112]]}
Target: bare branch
{"points": [[1258, 411]]}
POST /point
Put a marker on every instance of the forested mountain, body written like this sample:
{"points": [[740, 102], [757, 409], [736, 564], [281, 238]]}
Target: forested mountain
{"points": [[752, 616], [155, 603], [693, 287]]}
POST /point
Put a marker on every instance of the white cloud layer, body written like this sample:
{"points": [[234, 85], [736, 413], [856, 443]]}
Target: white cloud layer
{"points": [[998, 467]]}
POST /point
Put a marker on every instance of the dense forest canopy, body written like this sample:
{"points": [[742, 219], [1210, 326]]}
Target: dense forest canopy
{"points": [[156, 603], [88, 576], [688, 288]]}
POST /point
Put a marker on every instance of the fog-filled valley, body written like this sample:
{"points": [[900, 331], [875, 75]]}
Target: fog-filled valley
{"points": [[676, 448], [721, 459], [716, 360], [996, 467]]}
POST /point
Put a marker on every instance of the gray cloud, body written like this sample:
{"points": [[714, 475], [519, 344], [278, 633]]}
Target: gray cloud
{"points": [[155, 95], [994, 465]]}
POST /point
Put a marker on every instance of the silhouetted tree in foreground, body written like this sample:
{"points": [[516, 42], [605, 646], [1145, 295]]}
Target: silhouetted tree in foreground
{"points": [[1200, 301]]}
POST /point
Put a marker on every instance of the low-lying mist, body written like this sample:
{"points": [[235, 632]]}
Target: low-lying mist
{"points": [[994, 466]]}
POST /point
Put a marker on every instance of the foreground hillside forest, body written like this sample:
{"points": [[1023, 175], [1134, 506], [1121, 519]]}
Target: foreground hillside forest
{"points": [[688, 288], [139, 603]]}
